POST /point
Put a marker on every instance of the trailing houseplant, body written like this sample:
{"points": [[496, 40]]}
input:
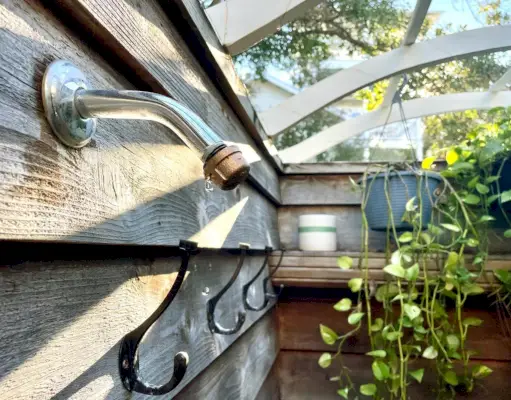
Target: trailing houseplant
{"points": [[430, 269]]}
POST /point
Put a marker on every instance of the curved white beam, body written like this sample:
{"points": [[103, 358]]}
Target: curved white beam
{"points": [[338, 133], [342, 83], [240, 24], [419, 14]]}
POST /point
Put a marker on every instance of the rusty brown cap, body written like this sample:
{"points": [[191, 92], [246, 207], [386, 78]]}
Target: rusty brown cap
{"points": [[226, 167]]}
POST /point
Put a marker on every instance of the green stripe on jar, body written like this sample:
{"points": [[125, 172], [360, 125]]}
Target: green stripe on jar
{"points": [[304, 229]]}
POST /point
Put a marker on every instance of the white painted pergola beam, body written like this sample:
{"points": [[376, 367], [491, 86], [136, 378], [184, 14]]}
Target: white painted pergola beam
{"points": [[338, 133], [419, 55], [419, 15], [239, 24], [503, 83]]}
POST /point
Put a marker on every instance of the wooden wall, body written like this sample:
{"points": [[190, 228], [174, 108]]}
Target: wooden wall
{"points": [[300, 377], [63, 310]]}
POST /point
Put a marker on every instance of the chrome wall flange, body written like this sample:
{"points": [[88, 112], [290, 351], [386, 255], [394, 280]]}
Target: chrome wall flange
{"points": [[60, 83]]}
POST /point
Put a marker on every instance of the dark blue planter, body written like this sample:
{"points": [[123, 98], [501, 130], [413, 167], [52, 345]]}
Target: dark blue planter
{"points": [[504, 183], [402, 186]]}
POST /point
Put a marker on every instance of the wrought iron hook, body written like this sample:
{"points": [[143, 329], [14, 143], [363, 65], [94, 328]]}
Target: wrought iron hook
{"points": [[128, 351], [214, 326], [267, 294]]}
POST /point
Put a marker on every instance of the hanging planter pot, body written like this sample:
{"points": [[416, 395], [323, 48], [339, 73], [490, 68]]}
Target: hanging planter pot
{"points": [[503, 184], [401, 187]]}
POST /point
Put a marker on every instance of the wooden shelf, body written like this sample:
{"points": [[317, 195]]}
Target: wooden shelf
{"points": [[319, 269]]}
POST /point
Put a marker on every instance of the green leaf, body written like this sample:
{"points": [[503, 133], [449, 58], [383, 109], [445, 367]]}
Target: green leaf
{"points": [[377, 353], [417, 374], [345, 262], [471, 289], [412, 311], [451, 227], [395, 270], [503, 275], [343, 393], [473, 182], [355, 284], [425, 238], [412, 273], [507, 233], [472, 321], [393, 336], [328, 335], [430, 353], [453, 342], [482, 189], [481, 371], [486, 218], [369, 389], [505, 196], [381, 370], [492, 179], [343, 305], [460, 166], [472, 199], [377, 325], [355, 318], [451, 378], [428, 162], [386, 291], [471, 242], [410, 205], [406, 237], [435, 230], [325, 360], [492, 198]]}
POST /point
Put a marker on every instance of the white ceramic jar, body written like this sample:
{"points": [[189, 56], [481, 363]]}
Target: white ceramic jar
{"points": [[317, 232]]}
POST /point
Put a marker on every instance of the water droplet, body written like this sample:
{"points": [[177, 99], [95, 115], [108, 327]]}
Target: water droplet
{"points": [[209, 184], [205, 291]]}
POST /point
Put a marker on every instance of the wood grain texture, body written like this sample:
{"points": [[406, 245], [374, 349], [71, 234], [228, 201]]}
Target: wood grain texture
{"points": [[240, 372], [62, 322], [349, 225], [271, 386], [329, 168], [302, 379], [299, 328], [319, 190], [143, 34], [223, 72], [135, 184], [299, 267]]}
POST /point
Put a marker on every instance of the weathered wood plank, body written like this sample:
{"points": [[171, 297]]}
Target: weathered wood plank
{"points": [[157, 52], [135, 184], [302, 379], [240, 372], [349, 225], [271, 386], [319, 190], [62, 320], [339, 167], [299, 321], [298, 267], [222, 71]]}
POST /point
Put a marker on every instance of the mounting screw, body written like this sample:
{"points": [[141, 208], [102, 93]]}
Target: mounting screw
{"points": [[125, 363]]}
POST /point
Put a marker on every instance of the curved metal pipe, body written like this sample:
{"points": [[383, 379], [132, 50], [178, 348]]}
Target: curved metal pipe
{"points": [[71, 109]]}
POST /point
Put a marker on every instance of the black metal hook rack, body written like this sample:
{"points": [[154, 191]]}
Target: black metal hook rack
{"points": [[128, 351], [214, 326], [267, 294]]}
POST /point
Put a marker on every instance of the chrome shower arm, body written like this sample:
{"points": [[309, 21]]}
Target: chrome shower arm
{"points": [[72, 109], [130, 104]]}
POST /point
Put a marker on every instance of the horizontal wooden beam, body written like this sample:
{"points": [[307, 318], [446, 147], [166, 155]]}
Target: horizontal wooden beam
{"points": [[503, 83], [418, 16], [240, 24], [419, 55], [342, 131]]}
